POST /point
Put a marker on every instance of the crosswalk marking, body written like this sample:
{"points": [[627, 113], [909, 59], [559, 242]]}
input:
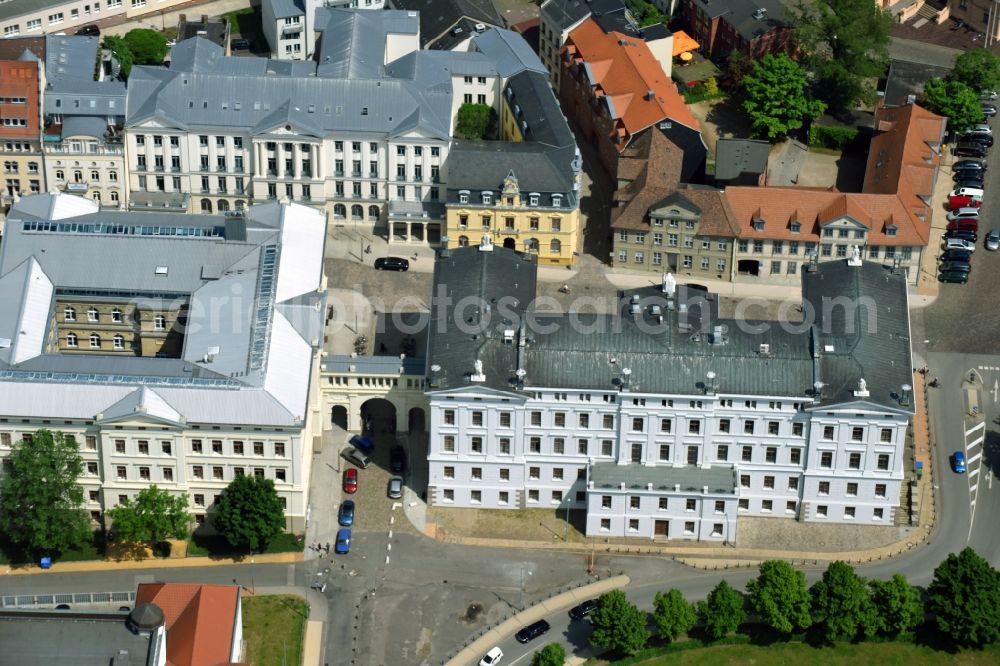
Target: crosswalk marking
{"points": [[976, 457], [979, 426]]}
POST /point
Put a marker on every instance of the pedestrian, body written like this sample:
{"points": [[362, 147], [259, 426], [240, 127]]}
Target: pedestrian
{"points": [[327, 547]]}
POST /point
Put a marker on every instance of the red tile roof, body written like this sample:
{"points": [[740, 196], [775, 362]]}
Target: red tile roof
{"points": [[200, 620], [626, 71], [657, 162], [898, 186]]}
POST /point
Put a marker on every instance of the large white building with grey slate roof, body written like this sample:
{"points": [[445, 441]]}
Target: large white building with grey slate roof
{"points": [[225, 386], [666, 421]]}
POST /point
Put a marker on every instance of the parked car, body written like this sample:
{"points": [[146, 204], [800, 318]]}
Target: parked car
{"points": [[975, 192], [966, 172], [352, 455], [239, 45], [955, 203], [362, 443], [950, 266], [345, 516], [970, 182], [956, 255], [970, 149], [959, 244], [89, 31], [492, 657], [964, 224], [969, 164], [397, 459], [958, 462], [955, 277], [993, 240], [964, 234], [980, 138], [343, 545], [351, 480], [395, 490], [532, 631], [583, 610], [989, 110], [964, 213], [392, 264], [988, 94], [981, 128]]}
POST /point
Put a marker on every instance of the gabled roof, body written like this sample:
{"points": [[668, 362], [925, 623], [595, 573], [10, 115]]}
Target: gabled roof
{"points": [[734, 157], [70, 57], [629, 74], [142, 401], [25, 294], [660, 162], [200, 620], [509, 51]]}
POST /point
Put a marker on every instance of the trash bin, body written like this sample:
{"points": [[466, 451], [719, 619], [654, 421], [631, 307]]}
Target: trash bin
{"points": [[45, 562], [920, 469]]}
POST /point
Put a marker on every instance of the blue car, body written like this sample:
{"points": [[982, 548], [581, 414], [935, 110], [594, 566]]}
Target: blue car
{"points": [[958, 462], [343, 541], [346, 514], [362, 443]]}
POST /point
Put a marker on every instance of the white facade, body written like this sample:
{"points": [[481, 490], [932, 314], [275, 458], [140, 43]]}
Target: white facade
{"points": [[53, 17], [533, 449], [89, 167]]}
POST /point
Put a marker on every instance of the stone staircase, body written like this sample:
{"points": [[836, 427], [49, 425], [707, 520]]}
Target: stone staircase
{"points": [[929, 12]]}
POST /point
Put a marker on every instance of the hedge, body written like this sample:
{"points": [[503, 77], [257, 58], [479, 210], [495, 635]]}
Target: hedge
{"points": [[834, 138]]}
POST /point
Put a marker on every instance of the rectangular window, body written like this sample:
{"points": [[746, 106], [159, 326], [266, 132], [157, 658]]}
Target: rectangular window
{"points": [[690, 505], [722, 452], [883, 461], [826, 459], [747, 454], [535, 445], [852, 490], [694, 427], [771, 454], [849, 512], [559, 446], [476, 445], [666, 425], [505, 445], [827, 432], [880, 490], [449, 472], [854, 461], [448, 443], [477, 418], [793, 483], [581, 447], [664, 452], [857, 434], [638, 424], [505, 419], [824, 488], [885, 436], [449, 416], [769, 482], [723, 425], [744, 480], [477, 473]]}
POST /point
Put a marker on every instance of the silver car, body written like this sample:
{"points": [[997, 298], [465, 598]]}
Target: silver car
{"points": [[993, 240], [395, 487]]}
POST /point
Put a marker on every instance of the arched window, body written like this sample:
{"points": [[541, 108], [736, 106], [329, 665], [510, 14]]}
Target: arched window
{"points": [[116, 316], [555, 247], [206, 205], [96, 196], [531, 245], [92, 314], [240, 204], [77, 176], [114, 195], [463, 241], [357, 212], [60, 175], [69, 314], [373, 212], [223, 205], [95, 341], [339, 211], [72, 340], [119, 342]]}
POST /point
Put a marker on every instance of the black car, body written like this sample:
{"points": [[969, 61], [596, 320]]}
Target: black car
{"points": [[397, 459], [239, 45], [89, 31], [975, 165], [970, 181], [392, 264], [970, 149], [956, 255], [967, 174], [532, 631], [962, 233], [962, 266], [583, 610], [989, 110], [980, 138]]}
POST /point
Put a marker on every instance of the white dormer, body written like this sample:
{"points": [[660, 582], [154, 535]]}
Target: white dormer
{"points": [[487, 198], [557, 200], [463, 196]]}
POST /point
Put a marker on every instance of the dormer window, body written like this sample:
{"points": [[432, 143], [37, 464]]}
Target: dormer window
{"points": [[487, 198], [533, 199], [795, 227], [758, 224], [556, 200], [463, 196], [890, 230]]}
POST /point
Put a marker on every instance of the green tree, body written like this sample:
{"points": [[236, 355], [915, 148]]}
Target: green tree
{"points": [[897, 605], [979, 69], [841, 605], [123, 54], [154, 516], [779, 597], [249, 513], [41, 503], [722, 612], [673, 615], [775, 97], [711, 87], [475, 121], [956, 101], [964, 597], [618, 624], [148, 47], [846, 43], [552, 654]]}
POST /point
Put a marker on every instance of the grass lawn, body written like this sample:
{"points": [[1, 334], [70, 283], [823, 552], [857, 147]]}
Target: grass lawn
{"points": [[246, 22], [214, 545], [274, 628], [843, 654]]}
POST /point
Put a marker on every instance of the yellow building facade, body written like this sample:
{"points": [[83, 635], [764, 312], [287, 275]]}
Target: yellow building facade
{"points": [[127, 328]]}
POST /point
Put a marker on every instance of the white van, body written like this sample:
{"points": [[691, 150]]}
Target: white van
{"points": [[974, 192], [959, 244]]}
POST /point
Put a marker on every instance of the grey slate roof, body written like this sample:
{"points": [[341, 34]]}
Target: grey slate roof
{"points": [[16, 8], [482, 166], [90, 126], [737, 156], [84, 639], [508, 51], [672, 352], [353, 43], [740, 15], [539, 115], [564, 14], [871, 341], [85, 97], [286, 8], [720, 479], [437, 17], [70, 57], [908, 78]]}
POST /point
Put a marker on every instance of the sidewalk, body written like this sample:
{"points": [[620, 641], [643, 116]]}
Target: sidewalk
{"points": [[472, 652], [154, 563]]}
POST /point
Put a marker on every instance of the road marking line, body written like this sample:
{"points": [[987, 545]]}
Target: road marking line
{"points": [[973, 502], [387, 559], [390, 534], [975, 442], [979, 426], [388, 546], [972, 473], [974, 458]]}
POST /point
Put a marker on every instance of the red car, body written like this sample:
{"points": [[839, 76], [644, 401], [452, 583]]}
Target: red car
{"points": [[966, 223], [954, 203], [350, 480]]}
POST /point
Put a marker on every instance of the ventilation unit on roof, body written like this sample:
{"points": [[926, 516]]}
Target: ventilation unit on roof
{"points": [[480, 27], [760, 14], [650, 94], [764, 349]]}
